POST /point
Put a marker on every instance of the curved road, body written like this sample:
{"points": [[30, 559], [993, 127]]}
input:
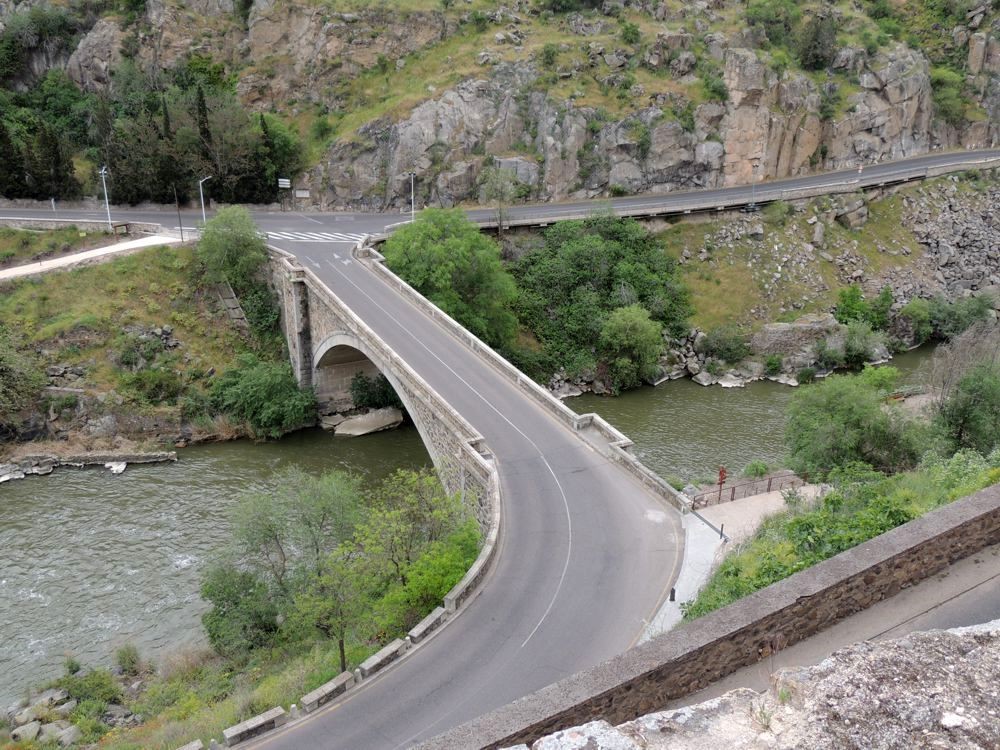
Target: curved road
{"points": [[586, 553]]}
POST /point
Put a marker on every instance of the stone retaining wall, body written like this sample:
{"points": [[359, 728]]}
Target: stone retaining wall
{"points": [[678, 663]]}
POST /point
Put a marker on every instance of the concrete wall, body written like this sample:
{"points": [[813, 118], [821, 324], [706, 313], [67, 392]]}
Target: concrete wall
{"points": [[685, 660], [333, 373]]}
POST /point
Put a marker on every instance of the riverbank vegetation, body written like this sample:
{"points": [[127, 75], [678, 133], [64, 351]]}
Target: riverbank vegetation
{"points": [[322, 572], [593, 298], [141, 345], [19, 246], [884, 465]]}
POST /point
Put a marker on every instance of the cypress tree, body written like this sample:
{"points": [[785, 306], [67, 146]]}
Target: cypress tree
{"points": [[12, 171]]}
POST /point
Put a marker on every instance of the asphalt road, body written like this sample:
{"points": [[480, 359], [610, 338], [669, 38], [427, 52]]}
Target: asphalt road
{"points": [[353, 223], [586, 555]]}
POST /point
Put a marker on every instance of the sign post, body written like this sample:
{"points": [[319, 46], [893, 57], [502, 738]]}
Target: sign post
{"points": [[722, 480]]}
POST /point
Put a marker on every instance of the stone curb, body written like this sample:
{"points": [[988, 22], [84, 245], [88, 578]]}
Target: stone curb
{"points": [[255, 725]]}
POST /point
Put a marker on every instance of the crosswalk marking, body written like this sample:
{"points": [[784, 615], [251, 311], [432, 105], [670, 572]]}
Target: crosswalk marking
{"points": [[318, 236]]}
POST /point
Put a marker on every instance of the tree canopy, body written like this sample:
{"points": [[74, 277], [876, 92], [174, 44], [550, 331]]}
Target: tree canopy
{"points": [[448, 260]]}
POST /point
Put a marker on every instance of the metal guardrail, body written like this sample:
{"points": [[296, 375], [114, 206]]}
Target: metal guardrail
{"points": [[746, 489]]}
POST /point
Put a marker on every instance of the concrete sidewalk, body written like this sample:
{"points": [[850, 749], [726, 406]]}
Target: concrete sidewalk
{"points": [[709, 535], [98, 254]]}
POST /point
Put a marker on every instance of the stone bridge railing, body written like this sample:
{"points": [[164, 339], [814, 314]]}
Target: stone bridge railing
{"points": [[591, 427], [460, 455]]}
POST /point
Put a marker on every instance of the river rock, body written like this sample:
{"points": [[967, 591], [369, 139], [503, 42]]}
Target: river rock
{"points": [[704, 377], [51, 732], [729, 380], [330, 421], [65, 709], [116, 467], [374, 421], [26, 732], [566, 390], [792, 338], [70, 736]]}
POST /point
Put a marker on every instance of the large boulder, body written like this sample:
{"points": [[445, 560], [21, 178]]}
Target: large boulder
{"points": [[374, 421], [797, 339], [97, 54]]}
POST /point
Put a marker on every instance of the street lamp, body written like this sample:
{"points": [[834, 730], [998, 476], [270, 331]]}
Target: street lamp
{"points": [[107, 206], [201, 194], [413, 198], [753, 185]]}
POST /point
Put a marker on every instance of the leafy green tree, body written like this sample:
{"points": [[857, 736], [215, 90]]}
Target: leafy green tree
{"points": [[50, 169], [631, 343], [818, 42], [243, 616], [446, 258], [264, 395], [231, 248], [500, 189], [841, 420], [947, 91], [585, 269], [21, 381], [970, 416]]}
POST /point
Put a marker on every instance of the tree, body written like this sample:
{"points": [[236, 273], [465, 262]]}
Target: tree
{"points": [[50, 168], [818, 43], [12, 171], [843, 419], [264, 395], [631, 343], [778, 18], [500, 189], [21, 381], [446, 258], [231, 248], [243, 616], [971, 414]]}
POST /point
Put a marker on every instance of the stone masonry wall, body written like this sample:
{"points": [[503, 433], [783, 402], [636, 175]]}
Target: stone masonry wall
{"points": [[646, 678]]}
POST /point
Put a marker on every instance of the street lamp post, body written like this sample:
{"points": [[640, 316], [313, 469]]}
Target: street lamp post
{"points": [[107, 206], [201, 195], [413, 198], [753, 185]]}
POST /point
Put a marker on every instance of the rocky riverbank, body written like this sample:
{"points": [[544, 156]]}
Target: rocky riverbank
{"points": [[44, 463]]}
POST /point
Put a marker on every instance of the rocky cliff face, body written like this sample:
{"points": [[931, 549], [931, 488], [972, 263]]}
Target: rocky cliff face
{"points": [[926, 690], [770, 126]]}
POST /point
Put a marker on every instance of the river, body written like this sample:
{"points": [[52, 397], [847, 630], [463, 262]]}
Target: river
{"points": [[90, 561]]}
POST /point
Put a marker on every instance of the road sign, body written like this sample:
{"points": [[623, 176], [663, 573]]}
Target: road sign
{"points": [[284, 182], [301, 193]]}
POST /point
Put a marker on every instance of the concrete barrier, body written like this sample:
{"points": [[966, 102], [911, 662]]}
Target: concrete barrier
{"points": [[386, 656], [327, 692], [254, 726], [196, 745], [426, 626]]}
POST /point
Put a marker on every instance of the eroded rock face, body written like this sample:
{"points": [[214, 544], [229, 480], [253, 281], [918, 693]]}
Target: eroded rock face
{"points": [[939, 689], [98, 53]]}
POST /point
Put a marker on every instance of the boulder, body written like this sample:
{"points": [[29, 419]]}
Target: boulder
{"points": [[374, 421], [95, 56], [330, 421], [70, 736], [26, 732], [704, 377], [793, 338]]}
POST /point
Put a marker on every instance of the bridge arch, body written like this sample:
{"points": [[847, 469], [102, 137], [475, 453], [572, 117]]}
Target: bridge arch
{"points": [[335, 362]]}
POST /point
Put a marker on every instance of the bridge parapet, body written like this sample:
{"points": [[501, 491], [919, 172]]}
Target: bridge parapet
{"points": [[315, 321], [592, 427]]}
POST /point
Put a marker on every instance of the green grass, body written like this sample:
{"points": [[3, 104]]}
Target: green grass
{"points": [[75, 316], [20, 246]]}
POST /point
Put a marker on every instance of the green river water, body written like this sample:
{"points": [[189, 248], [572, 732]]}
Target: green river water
{"points": [[90, 561]]}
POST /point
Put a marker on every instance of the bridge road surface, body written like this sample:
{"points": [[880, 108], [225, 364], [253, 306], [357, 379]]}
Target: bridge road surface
{"points": [[586, 555]]}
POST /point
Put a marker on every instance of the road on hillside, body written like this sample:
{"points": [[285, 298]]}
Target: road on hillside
{"points": [[348, 226]]}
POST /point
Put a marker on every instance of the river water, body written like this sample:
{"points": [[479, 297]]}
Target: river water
{"points": [[90, 561]]}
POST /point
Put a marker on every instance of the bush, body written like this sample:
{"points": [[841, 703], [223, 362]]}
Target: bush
{"points": [[727, 343], [72, 665], [373, 393], [806, 375], [843, 420], [550, 53], [264, 395], [260, 305], [773, 364], [21, 379], [243, 616], [756, 469], [231, 248], [630, 33], [947, 92], [949, 319], [818, 43], [155, 386], [97, 685], [777, 213], [828, 357], [631, 344], [777, 17], [970, 417], [860, 344], [127, 659]]}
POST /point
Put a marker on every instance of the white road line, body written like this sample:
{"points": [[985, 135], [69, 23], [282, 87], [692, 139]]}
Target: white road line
{"points": [[555, 478], [281, 235], [303, 216]]}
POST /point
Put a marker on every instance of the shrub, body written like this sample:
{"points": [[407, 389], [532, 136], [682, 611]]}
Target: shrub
{"points": [[127, 659], [806, 375], [727, 343], [755, 469], [630, 33], [818, 43], [631, 343], [550, 53], [947, 92], [970, 416], [860, 343], [260, 305], [773, 364], [373, 393], [828, 357], [949, 319], [264, 395], [231, 248], [155, 386], [72, 665], [777, 213], [777, 17], [97, 685]]}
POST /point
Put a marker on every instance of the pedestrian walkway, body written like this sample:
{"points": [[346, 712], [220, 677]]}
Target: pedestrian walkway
{"points": [[98, 254], [709, 535], [318, 236]]}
